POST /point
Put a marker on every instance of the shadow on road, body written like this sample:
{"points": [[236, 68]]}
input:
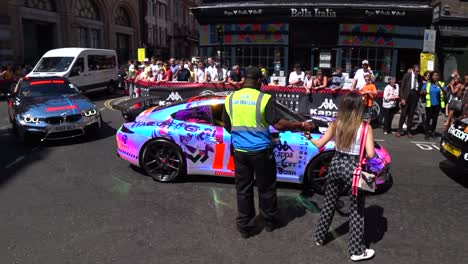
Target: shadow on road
{"points": [[455, 173], [15, 156], [375, 226]]}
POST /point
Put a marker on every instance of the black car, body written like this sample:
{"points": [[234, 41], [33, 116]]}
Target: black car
{"points": [[454, 143], [51, 108]]}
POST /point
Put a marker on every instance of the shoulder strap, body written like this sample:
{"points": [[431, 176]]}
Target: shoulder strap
{"points": [[357, 171], [363, 142]]}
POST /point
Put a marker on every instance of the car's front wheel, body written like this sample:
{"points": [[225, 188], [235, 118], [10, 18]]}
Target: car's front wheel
{"points": [[163, 161], [316, 174]]}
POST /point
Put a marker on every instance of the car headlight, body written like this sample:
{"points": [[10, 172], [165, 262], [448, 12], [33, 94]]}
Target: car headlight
{"points": [[91, 112], [30, 119]]}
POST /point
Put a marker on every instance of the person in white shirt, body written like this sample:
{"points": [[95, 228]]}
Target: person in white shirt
{"points": [[220, 75], [296, 78], [358, 80], [211, 69], [390, 104], [308, 81], [200, 73], [154, 66]]}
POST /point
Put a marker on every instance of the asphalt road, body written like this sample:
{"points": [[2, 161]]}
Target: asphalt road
{"points": [[75, 201]]}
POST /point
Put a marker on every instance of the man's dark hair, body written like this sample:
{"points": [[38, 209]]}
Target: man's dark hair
{"points": [[415, 66], [253, 73]]}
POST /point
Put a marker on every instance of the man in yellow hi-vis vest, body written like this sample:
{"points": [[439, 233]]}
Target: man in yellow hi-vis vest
{"points": [[247, 116], [434, 92]]}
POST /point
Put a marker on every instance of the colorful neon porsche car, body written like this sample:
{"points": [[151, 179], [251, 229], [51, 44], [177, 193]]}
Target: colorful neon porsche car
{"points": [[50, 108], [187, 137]]}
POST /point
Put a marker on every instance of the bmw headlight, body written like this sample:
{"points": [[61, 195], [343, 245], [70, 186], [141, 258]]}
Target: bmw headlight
{"points": [[30, 119], [91, 112]]}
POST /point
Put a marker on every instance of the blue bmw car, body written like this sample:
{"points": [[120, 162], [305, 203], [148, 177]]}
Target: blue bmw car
{"points": [[51, 108]]}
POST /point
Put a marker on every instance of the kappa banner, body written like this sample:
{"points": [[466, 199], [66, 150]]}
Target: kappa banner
{"points": [[323, 103]]}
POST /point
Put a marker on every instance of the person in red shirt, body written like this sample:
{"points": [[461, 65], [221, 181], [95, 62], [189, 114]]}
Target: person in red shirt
{"points": [[368, 92], [167, 73]]}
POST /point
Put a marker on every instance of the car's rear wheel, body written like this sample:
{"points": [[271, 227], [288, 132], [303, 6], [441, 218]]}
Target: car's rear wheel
{"points": [[316, 174], [111, 87], [163, 161]]}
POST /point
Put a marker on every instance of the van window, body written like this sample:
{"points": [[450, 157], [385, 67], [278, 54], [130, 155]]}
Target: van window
{"points": [[78, 67], [101, 62], [54, 64]]}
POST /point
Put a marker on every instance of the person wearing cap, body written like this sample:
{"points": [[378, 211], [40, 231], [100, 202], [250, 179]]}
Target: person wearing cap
{"points": [[358, 80], [296, 78], [247, 115]]}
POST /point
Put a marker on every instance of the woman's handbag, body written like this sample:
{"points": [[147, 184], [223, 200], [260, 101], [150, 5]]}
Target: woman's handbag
{"points": [[456, 105], [362, 179]]}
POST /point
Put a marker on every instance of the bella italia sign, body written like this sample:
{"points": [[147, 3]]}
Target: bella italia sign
{"points": [[316, 12]]}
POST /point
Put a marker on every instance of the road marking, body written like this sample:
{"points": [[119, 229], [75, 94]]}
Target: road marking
{"points": [[426, 145], [16, 161], [108, 105], [102, 109], [379, 140]]}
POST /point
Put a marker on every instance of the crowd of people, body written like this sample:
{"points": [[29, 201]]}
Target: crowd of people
{"points": [[12, 73]]}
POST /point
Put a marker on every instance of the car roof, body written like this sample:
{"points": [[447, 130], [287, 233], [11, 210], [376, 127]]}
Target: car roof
{"points": [[71, 52], [45, 77]]}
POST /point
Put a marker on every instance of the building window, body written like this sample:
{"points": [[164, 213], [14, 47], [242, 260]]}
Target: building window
{"points": [[122, 18], [87, 9], [47, 5], [83, 37], [89, 37]]}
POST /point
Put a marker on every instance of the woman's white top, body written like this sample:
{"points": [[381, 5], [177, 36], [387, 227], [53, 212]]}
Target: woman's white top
{"points": [[390, 91], [355, 147]]}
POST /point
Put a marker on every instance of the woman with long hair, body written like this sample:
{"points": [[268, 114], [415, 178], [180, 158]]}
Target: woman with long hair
{"points": [[434, 92], [346, 130]]}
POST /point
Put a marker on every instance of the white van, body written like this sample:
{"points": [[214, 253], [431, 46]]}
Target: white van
{"points": [[88, 69]]}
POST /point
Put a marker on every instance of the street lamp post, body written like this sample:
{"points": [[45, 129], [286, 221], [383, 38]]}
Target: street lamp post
{"points": [[220, 36]]}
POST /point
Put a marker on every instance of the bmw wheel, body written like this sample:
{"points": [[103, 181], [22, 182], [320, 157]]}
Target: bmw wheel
{"points": [[163, 161], [316, 174]]}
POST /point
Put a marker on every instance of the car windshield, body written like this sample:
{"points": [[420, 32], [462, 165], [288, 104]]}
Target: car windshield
{"points": [[46, 87], [54, 64]]}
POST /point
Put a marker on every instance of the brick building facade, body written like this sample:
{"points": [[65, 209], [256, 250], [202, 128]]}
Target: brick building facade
{"points": [[450, 19], [28, 28]]}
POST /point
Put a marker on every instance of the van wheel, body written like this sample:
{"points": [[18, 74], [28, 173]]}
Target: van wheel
{"points": [[111, 87]]}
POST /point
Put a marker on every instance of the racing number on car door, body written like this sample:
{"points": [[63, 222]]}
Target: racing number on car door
{"points": [[223, 163]]}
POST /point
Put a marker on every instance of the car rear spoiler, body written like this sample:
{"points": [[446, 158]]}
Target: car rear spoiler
{"points": [[133, 107]]}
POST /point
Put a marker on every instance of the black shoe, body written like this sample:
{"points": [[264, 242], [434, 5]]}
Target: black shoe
{"points": [[247, 234], [271, 226]]}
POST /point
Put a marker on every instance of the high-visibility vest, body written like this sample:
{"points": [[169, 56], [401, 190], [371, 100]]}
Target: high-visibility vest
{"points": [[249, 129], [428, 96]]}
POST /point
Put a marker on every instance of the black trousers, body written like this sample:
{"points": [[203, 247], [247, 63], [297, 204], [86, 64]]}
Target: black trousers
{"points": [[432, 114], [263, 166], [407, 112], [388, 114]]}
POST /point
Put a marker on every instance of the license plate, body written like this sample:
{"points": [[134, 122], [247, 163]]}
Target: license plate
{"points": [[452, 150], [63, 128]]}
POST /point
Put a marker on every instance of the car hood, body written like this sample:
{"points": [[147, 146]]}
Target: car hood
{"points": [[55, 105]]}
